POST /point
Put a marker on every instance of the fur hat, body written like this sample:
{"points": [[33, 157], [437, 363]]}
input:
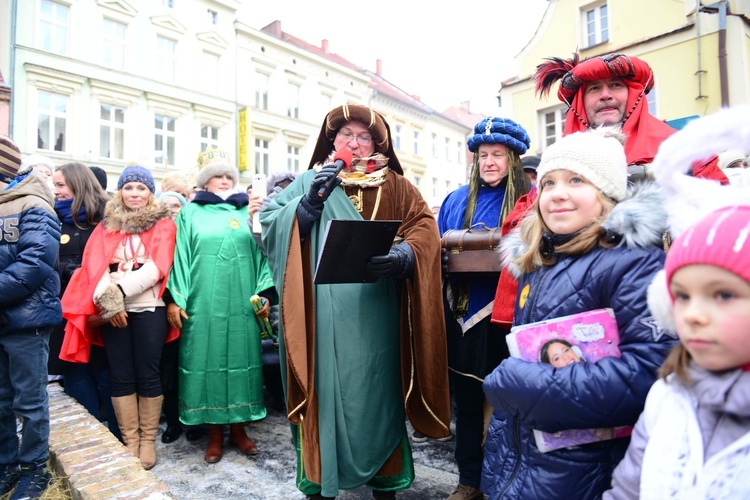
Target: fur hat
{"points": [[213, 162], [32, 161], [719, 238], [493, 130], [136, 173], [276, 179], [362, 114], [10, 159], [597, 155]]}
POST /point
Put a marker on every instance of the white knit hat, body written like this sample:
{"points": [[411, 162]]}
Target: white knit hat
{"points": [[597, 155], [32, 161]]}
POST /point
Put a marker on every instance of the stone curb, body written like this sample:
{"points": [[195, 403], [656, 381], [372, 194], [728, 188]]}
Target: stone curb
{"points": [[93, 463]]}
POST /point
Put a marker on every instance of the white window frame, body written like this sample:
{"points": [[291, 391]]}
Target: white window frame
{"points": [[418, 182], [53, 113], [447, 149], [54, 32], [262, 155], [116, 131], [293, 157], [114, 48], [166, 58], [209, 136], [434, 145], [551, 131], [434, 187], [167, 3], [261, 90], [417, 143], [213, 16], [595, 24], [168, 139], [397, 136], [293, 94], [459, 153]]}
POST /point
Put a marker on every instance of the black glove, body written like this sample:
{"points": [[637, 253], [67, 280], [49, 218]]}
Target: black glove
{"points": [[399, 263], [311, 205], [325, 174]]}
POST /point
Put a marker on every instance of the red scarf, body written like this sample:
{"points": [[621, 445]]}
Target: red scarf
{"points": [[78, 302]]}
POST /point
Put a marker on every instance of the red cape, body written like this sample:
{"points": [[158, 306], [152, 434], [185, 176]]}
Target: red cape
{"points": [[78, 299]]}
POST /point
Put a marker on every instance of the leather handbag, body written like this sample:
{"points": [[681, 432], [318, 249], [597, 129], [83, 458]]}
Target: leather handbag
{"points": [[473, 250]]}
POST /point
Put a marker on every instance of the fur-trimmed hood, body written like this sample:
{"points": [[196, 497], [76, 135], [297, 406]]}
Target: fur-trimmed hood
{"points": [[640, 220], [117, 218]]}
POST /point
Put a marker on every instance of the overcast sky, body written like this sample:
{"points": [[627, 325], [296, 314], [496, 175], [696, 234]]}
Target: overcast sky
{"points": [[444, 52]]}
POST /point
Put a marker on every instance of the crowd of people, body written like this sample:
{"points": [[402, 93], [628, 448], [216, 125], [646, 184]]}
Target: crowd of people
{"points": [[151, 302]]}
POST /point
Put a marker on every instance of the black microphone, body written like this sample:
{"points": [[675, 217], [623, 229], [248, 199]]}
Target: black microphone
{"points": [[341, 160]]}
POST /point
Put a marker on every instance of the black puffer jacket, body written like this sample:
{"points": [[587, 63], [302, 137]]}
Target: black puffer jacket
{"points": [[607, 393], [29, 241]]}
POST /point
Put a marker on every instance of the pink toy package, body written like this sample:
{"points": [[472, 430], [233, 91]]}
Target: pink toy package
{"points": [[594, 332], [591, 336]]}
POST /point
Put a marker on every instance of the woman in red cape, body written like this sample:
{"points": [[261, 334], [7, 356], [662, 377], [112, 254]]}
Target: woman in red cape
{"points": [[118, 289]]}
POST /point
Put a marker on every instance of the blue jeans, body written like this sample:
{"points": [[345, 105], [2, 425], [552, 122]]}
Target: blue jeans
{"points": [[23, 393]]}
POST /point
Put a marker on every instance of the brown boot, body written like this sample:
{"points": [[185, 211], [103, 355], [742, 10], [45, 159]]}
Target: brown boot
{"points": [[215, 443], [244, 443], [126, 411], [463, 492], [149, 411]]}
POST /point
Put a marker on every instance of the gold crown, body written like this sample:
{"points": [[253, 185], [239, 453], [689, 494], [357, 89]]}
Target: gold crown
{"points": [[211, 155]]}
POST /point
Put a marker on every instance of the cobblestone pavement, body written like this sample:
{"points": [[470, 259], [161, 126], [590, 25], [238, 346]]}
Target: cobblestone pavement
{"points": [[271, 473]]}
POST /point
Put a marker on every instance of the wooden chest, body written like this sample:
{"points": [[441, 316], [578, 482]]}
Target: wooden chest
{"points": [[473, 250]]}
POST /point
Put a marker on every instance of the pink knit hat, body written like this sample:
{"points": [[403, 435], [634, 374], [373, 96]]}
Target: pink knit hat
{"points": [[721, 239]]}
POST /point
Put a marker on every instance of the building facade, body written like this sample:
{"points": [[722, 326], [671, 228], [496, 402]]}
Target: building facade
{"points": [[701, 61], [110, 82]]}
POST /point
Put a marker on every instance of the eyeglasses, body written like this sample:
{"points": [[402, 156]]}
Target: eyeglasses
{"points": [[362, 140]]}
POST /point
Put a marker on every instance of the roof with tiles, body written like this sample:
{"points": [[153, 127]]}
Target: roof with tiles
{"points": [[274, 29]]}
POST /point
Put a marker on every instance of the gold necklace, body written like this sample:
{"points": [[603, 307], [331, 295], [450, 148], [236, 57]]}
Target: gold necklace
{"points": [[358, 201]]}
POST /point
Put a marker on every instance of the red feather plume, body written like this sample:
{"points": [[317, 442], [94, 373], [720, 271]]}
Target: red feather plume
{"points": [[551, 71]]}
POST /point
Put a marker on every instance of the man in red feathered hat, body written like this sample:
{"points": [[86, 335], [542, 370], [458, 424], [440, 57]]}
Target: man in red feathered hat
{"points": [[609, 90], [601, 90]]}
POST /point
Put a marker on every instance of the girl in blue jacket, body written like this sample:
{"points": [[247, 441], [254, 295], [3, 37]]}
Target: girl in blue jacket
{"points": [[590, 243]]}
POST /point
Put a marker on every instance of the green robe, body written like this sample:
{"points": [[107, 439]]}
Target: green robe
{"points": [[352, 378], [217, 267]]}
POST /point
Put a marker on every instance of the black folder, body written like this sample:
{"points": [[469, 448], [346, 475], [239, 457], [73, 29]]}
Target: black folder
{"points": [[348, 246]]}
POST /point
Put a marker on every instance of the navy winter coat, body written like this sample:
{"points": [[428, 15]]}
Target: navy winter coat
{"points": [[29, 243], [607, 393]]}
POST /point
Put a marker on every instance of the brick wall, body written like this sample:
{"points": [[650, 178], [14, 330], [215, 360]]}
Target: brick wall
{"points": [[93, 462]]}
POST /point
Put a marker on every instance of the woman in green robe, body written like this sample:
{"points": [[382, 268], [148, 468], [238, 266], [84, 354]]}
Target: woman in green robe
{"points": [[218, 267]]}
